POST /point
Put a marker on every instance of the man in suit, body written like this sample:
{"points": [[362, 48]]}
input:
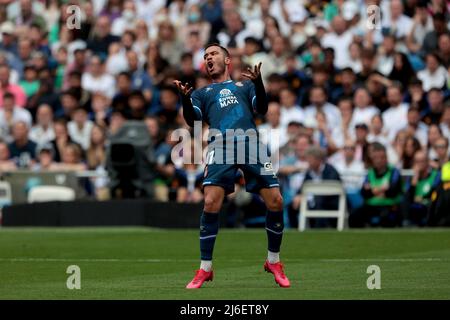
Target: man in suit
{"points": [[318, 170]]}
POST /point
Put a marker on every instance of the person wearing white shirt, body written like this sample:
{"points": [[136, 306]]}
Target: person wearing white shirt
{"points": [[340, 40], [274, 61], [97, 80], [318, 98], [377, 132], [43, 131], [273, 133], [417, 127], [10, 114], [290, 110], [364, 111], [395, 117], [80, 128], [126, 20], [399, 24], [147, 9], [350, 169], [434, 75], [386, 55], [445, 122]]}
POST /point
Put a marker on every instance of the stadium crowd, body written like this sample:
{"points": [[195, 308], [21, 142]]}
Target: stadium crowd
{"points": [[352, 96]]}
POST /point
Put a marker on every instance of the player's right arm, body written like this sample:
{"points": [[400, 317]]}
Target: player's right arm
{"points": [[191, 113]]}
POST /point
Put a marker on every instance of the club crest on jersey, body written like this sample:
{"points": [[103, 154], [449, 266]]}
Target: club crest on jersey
{"points": [[227, 98]]}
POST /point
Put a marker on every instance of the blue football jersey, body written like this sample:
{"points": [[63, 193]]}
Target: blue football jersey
{"points": [[226, 105]]}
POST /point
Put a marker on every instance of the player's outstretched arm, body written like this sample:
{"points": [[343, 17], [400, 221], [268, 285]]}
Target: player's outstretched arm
{"points": [[188, 109], [255, 76]]}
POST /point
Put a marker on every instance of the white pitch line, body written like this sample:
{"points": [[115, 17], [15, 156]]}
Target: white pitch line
{"points": [[231, 260]]}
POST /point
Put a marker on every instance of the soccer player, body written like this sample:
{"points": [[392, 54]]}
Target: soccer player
{"points": [[227, 104]]}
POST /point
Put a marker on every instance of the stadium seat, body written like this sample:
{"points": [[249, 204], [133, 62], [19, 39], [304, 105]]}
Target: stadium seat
{"points": [[5, 194], [324, 188], [50, 193]]}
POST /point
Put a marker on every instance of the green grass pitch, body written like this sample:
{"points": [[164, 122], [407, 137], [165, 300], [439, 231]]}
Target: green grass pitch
{"points": [[144, 263]]}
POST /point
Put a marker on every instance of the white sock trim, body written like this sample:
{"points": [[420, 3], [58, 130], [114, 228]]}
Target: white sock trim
{"points": [[206, 265], [273, 257]]}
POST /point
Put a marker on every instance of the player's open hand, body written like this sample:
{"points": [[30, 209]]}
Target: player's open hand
{"points": [[254, 73], [185, 89]]}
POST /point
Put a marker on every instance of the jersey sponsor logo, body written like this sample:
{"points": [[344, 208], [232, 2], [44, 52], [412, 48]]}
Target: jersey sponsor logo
{"points": [[227, 98]]}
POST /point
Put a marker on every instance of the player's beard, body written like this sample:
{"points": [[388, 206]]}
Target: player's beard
{"points": [[218, 70]]}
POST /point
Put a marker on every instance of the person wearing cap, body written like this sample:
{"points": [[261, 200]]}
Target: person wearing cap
{"points": [[45, 154], [382, 193], [8, 42]]}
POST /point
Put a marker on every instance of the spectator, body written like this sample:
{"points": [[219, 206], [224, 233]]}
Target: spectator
{"points": [[436, 102], [364, 111], [102, 37], [395, 118], [440, 148], [71, 159], [339, 39], [62, 138], [97, 80], [419, 189], [6, 164], [415, 127], [412, 145], [434, 75], [80, 128], [22, 149], [6, 86], [290, 110], [139, 78], [10, 114], [45, 159], [382, 193], [273, 132], [42, 132], [377, 132], [352, 172], [318, 98], [318, 170]]}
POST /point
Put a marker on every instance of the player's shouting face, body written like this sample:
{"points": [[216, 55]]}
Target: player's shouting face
{"points": [[216, 61]]}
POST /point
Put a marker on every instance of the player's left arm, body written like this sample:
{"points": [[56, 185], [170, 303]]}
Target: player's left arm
{"points": [[260, 92]]}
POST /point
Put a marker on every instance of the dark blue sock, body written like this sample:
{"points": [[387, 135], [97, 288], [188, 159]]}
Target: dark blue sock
{"points": [[209, 227], [274, 228]]}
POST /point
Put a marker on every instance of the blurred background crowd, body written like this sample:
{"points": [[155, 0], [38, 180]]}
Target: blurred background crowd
{"points": [[349, 91]]}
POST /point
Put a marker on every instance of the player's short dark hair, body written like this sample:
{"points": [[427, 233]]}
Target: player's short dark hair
{"points": [[215, 44]]}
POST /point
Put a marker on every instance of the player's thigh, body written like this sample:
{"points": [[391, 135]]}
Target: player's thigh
{"points": [[221, 175], [214, 196], [272, 198], [259, 176]]}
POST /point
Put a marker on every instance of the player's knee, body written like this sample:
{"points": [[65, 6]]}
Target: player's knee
{"points": [[275, 203], [212, 204]]}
